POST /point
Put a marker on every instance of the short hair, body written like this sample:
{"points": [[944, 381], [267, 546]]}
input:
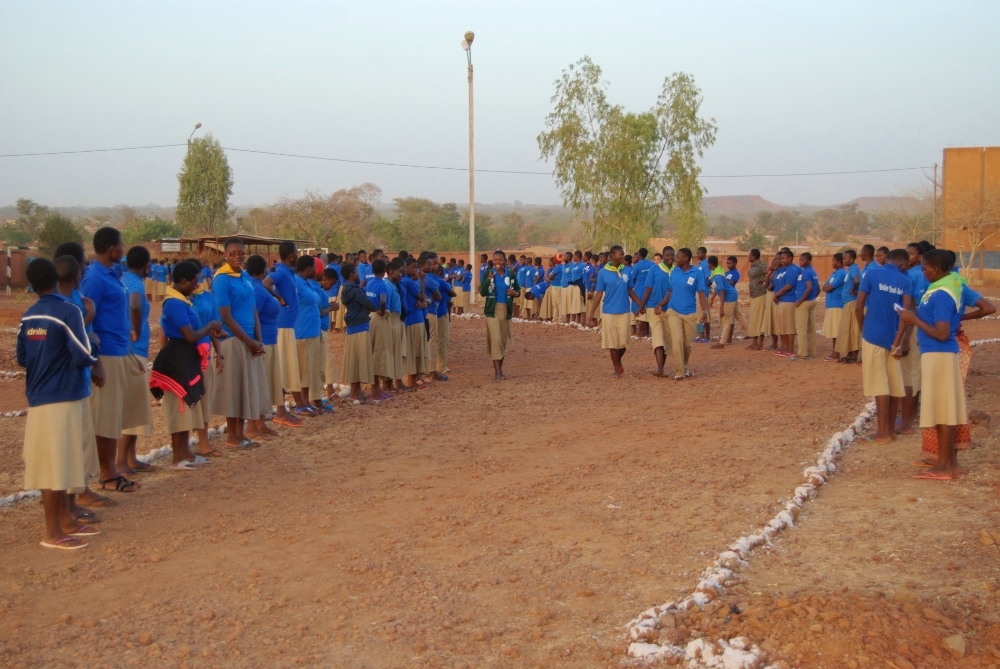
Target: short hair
{"points": [[42, 275], [286, 249], [805, 254], [642, 252], [702, 249], [501, 252], [733, 258], [393, 264], [137, 257], [231, 241], [256, 265], [685, 250], [185, 271], [898, 256], [839, 257], [404, 255], [195, 262], [409, 260], [939, 258], [852, 253], [330, 273], [713, 260], [378, 267], [787, 252], [377, 252], [915, 245], [105, 238], [67, 268], [512, 259], [668, 248], [755, 253], [616, 247], [360, 251], [869, 248], [303, 263], [925, 246], [72, 249], [883, 249], [628, 257], [348, 270]]}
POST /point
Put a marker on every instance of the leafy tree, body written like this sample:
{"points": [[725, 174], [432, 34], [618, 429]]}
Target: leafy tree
{"points": [[619, 170], [14, 235], [56, 230], [751, 239], [206, 182], [842, 223], [141, 229], [728, 228]]}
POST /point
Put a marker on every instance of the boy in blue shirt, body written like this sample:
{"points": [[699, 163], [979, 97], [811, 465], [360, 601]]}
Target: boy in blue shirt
{"points": [[806, 292], [614, 287], [785, 280], [733, 277], [53, 347], [701, 262], [834, 304], [687, 299], [728, 299], [882, 293]]}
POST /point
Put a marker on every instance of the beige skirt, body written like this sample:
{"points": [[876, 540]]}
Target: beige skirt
{"points": [[237, 386], [358, 366], [180, 417], [310, 356], [53, 447], [329, 360], [338, 315], [615, 330], [942, 394], [880, 374], [443, 342], [910, 365], [760, 319], [381, 341], [139, 404], [659, 331], [498, 333], [397, 342], [849, 334], [417, 351], [575, 300], [125, 377], [206, 401], [288, 354], [784, 318], [271, 393], [831, 321]]}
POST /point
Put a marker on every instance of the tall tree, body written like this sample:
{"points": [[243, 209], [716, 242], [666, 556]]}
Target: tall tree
{"points": [[56, 230], [206, 182], [619, 170]]}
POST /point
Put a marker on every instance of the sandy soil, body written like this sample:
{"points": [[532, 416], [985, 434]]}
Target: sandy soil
{"points": [[521, 524]]}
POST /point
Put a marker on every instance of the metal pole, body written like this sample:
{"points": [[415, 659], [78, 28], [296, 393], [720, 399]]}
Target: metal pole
{"points": [[934, 208], [472, 189]]}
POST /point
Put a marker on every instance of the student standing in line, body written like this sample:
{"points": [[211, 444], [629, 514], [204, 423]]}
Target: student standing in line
{"points": [[882, 294], [138, 264], [686, 300], [309, 349], [282, 281], [416, 353], [500, 290], [334, 292], [381, 333], [849, 336], [833, 289], [784, 299], [909, 362], [616, 294], [397, 336], [701, 262], [53, 347], [268, 311], [555, 277], [760, 320], [205, 306], [362, 267], [654, 299], [806, 291], [640, 269], [179, 369], [443, 323], [358, 368], [327, 289], [733, 277], [728, 297]]}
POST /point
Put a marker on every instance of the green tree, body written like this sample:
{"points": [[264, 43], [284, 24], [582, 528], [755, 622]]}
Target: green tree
{"points": [[619, 170], [206, 182], [841, 224], [142, 229], [56, 230], [751, 239], [14, 235]]}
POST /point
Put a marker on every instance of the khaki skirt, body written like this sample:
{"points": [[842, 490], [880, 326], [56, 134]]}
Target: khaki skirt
{"points": [[760, 320], [831, 321], [397, 342], [659, 331], [237, 386], [310, 356], [180, 417], [288, 354], [329, 360], [849, 334], [770, 321], [417, 351], [545, 306], [942, 394], [53, 447], [784, 318], [381, 341], [498, 333], [139, 404], [271, 393], [615, 330], [338, 315], [125, 377], [357, 359]]}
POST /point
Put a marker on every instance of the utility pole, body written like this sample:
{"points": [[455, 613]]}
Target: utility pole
{"points": [[467, 45], [934, 208]]}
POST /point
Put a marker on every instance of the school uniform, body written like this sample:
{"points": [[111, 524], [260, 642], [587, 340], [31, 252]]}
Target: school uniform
{"points": [[729, 297], [613, 283], [805, 313], [204, 305], [416, 353], [707, 273], [397, 339], [834, 304], [237, 392], [139, 403], [338, 316], [308, 345], [112, 406], [760, 319], [283, 278], [268, 309], [466, 287], [498, 310], [733, 277], [657, 281], [53, 347], [942, 392], [443, 324], [637, 280], [546, 308], [785, 312], [884, 289], [328, 374], [555, 278], [358, 365], [849, 334], [910, 364], [682, 314], [178, 364], [381, 330], [431, 284], [160, 273]]}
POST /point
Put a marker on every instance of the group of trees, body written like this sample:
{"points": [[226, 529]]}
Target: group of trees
{"points": [[36, 223]]}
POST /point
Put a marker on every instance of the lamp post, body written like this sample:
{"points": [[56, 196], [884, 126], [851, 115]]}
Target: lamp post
{"points": [[467, 45], [196, 126]]}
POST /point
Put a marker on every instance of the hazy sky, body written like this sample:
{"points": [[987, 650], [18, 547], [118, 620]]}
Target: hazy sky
{"points": [[793, 86]]}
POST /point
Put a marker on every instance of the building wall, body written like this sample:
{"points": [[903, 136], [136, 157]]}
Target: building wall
{"points": [[970, 186]]}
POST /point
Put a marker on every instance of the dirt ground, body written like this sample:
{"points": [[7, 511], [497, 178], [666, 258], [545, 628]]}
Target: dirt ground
{"points": [[522, 524]]}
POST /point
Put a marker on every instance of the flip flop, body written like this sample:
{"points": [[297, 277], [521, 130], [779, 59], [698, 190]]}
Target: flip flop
{"points": [[199, 460], [286, 423], [933, 476], [58, 544], [184, 466], [214, 453], [121, 483], [85, 531], [86, 517], [247, 444], [921, 463], [829, 359], [302, 411], [659, 374]]}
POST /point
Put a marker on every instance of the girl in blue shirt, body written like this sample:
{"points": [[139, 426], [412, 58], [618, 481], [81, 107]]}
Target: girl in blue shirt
{"points": [[834, 304]]}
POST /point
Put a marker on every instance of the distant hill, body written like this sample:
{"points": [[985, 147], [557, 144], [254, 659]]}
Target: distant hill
{"points": [[890, 203], [738, 204]]}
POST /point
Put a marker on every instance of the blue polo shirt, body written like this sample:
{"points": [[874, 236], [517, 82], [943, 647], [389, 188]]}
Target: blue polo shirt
{"points": [[805, 275], [554, 275], [467, 280], [658, 283], [411, 291], [564, 276], [111, 322], [442, 305], [920, 284], [684, 289], [969, 298], [853, 272], [206, 272], [725, 289], [364, 273], [176, 314], [267, 312], [883, 287], [207, 310], [934, 308], [376, 287], [639, 271], [284, 284], [335, 288], [392, 299], [786, 276], [133, 284], [159, 273], [237, 294], [733, 276], [322, 302], [538, 290], [307, 321], [614, 285], [835, 298]]}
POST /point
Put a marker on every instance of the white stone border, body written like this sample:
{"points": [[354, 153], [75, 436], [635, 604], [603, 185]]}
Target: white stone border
{"points": [[737, 653], [11, 375]]}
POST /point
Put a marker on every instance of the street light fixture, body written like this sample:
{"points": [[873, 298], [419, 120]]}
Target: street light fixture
{"points": [[467, 46], [196, 126]]}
